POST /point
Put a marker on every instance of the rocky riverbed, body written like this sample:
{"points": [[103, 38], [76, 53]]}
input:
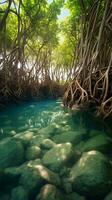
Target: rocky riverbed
{"points": [[56, 156]]}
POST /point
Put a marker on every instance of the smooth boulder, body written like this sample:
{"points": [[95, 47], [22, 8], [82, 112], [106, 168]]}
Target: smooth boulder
{"points": [[43, 133], [10, 176], [56, 157], [25, 137], [37, 140], [100, 142], [47, 144], [92, 174], [48, 131], [34, 176], [11, 153], [66, 185], [71, 136], [50, 192], [33, 153]]}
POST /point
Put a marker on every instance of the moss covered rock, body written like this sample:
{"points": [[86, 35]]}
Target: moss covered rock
{"points": [[47, 144], [71, 136], [56, 157], [33, 152], [11, 153], [34, 176], [50, 192], [25, 137], [48, 131], [92, 174], [100, 142]]}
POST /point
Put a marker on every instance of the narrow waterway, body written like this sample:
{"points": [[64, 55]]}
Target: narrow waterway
{"points": [[37, 115]]}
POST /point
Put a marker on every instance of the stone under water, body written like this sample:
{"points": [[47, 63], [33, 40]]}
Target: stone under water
{"points": [[49, 153]]}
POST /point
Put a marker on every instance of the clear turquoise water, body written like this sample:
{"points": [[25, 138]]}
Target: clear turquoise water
{"points": [[32, 116], [36, 115]]}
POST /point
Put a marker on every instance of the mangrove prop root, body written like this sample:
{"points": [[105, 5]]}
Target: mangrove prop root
{"points": [[92, 83]]}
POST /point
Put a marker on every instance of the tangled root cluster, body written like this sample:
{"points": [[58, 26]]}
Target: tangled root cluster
{"points": [[92, 83]]}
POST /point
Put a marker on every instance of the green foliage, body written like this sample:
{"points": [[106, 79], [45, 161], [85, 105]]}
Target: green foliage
{"points": [[32, 28]]}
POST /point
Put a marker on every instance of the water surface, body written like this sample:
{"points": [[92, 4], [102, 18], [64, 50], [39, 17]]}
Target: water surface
{"points": [[36, 115]]}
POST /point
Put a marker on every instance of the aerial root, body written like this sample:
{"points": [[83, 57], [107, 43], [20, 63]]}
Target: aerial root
{"points": [[76, 95], [92, 83]]}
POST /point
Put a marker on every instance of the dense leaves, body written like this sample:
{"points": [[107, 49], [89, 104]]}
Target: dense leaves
{"points": [[28, 38]]}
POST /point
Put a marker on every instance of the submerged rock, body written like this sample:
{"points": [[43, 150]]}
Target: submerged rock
{"points": [[32, 163], [34, 176], [92, 174], [71, 136], [11, 176], [12, 133], [19, 193], [50, 192], [33, 152], [43, 133], [56, 157], [109, 196], [43, 136], [37, 140], [47, 144], [95, 132], [49, 131], [75, 196], [79, 146], [11, 153], [100, 142], [67, 186], [25, 137]]}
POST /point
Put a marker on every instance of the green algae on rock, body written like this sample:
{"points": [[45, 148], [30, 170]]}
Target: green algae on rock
{"points": [[33, 153], [11, 153], [56, 157], [71, 136], [100, 142], [92, 174], [50, 192], [47, 144], [33, 177]]}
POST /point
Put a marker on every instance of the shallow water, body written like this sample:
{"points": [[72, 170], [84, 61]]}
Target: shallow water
{"points": [[36, 115], [33, 116]]}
